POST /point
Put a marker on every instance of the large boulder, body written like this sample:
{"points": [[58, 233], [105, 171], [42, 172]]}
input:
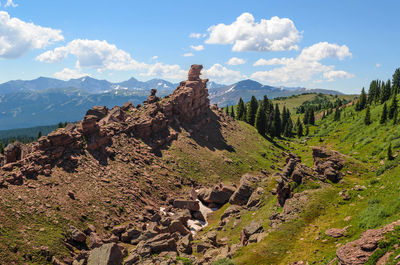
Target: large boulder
{"points": [[161, 243], [77, 235], [231, 210], [89, 125], [108, 254], [328, 164], [255, 197], [13, 152], [220, 194], [98, 111], [250, 230], [178, 226], [116, 114], [245, 189], [187, 204]]}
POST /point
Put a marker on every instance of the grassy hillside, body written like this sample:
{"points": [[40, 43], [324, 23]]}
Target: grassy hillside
{"points": [[293, 102], [365, 150], [244, 151]]}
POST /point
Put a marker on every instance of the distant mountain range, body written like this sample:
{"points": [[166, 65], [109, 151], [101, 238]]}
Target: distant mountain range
{"points": [[45, 101], [86, 84], [228, 95]]}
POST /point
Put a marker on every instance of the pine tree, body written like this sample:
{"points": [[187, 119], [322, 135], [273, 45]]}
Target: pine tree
{"points": [[227, 110], [261, 120], [367, 119], [384, 114], [266, 103], [277, 123], [232, 113], [306, 116], [393, 107], [284, 118], [287, 132], [373, 92], [240, 115], [385, 91], [395, 117], [270, 119], [252, 110], [39, 134], [396, 81], [389, 152], [337, 115], [307, 129], [311, 117], [362, 102], [299, 128]]}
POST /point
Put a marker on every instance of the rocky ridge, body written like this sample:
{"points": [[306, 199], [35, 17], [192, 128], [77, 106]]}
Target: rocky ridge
{"points": [[151, 123]]}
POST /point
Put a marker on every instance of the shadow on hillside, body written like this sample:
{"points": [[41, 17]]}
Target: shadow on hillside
{"points": [[208, 136], [100, 156], [272, 141]]}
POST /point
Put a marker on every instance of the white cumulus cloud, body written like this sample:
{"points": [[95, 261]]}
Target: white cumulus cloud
{"points": [[173, 71], [324, 50], [189, 54], [197, 48], [332, 75], [95, 54], [68, 73], [305, 66], [103, 56], [235, 61], [18, 37], [221, 74], [275, 34]]}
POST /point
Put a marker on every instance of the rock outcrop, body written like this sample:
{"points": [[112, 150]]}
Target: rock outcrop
{"points": [[108, 254], [294, 171], [328, 164], [246, 187], [218, 195], [152, 123], [358, 252]]}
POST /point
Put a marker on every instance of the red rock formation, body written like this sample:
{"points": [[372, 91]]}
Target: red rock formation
{"points": [[358, 252], [328, 164], [189, 104]]}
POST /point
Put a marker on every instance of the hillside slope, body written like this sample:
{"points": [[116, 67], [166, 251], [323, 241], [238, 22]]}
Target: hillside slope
{"points": [[336, 214], [175, 180], [118, 167]]}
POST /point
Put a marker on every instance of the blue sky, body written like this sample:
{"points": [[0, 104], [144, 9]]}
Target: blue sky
{"points": [[340, 45]]}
